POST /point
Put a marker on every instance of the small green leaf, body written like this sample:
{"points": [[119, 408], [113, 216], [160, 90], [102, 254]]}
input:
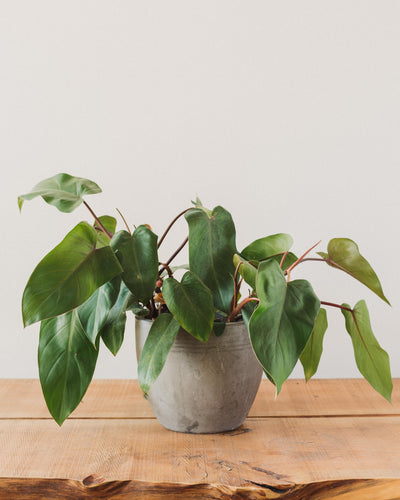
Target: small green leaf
{"points": [[110, 224], [312, 352], [283, 321], [93, 313], [372, 360], [159, 341], [67, 361], [191, 303], [219, 328], [138, 257], [267, 247], [112, 332], [344, 254], [247, 270], [138, 310], [62, 191], [68, 275], [211, 249]]}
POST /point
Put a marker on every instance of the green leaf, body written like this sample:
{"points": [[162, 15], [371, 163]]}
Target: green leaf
{"points": [[138, 310], [191, 303], [93, 313], [63, 191], [112, 332], [312, 352], [283, 321], [371, 359], [247, 270], [269, 246], [67, 361], [211, 249], [110, 224], [344, 254], [219, 328], [68, 275], [138, 257], [159, 341]]}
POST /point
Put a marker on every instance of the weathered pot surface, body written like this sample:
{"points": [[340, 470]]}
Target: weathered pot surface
{"points": [[204, 387]]}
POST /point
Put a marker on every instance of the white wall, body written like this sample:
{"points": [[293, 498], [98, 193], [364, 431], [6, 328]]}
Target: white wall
{"points": [[286, 113]]}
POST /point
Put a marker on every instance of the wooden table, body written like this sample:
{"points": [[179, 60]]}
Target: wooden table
{"points": [[325, 439]]}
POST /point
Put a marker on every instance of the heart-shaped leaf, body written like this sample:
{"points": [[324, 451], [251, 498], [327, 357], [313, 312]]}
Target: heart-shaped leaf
{"points": [[109, 223], [312, 352], [138, 257], [63, 191], [211, 249], [372, 360], [283, 321], [113, 330], [344, 254], [67, 360], [94, 312], [264, 248], [159, 341], [68, 275], [191, 303]]}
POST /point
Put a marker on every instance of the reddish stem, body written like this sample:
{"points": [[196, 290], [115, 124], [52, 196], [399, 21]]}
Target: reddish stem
{"points": [[336, 305], [107, 233], [239, 307], [169, 227]]}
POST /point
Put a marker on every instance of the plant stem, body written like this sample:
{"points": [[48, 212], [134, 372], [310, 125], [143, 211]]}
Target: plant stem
{"points": [[173, 255], [169, 227], [107, 233], [166, 266], [336, 305], [289, 269], [239, 307], [236, 289], [123, 218], [283, 258]]}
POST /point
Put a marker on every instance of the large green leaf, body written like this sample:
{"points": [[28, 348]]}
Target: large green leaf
{"points": [[312, 352], [94, 312], [63, 191], [113, 329], [68, 275], [138, 257], [344, 254], [191, 303], [372, 360], [67, 360], [264, 248], [211, 249], [283, 321], [159, 341]]}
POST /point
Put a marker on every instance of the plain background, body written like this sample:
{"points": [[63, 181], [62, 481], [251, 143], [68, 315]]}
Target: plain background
{"points": [[285, 113]]}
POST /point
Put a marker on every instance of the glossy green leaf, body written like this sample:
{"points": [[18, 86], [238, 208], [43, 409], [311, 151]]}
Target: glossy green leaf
{"points": [[138, 257], [283, 321], [63, 191], [344, 254], [312, 352], [211, 249], [289, 259], [191, 303], [94, 312], [139, 310], [67, 360], [372, 360], [264, 248], [159, 341], [68, 275], [113, 330]]}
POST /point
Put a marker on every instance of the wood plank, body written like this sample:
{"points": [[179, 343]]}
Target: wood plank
{"points": [[359, 489], [123, 399], [272, 453]]}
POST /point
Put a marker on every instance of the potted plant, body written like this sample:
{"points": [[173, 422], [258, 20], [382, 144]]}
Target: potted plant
{"points": [[82, 290]]}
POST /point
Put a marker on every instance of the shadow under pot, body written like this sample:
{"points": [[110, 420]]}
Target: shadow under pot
{"points": [[204, 387]]}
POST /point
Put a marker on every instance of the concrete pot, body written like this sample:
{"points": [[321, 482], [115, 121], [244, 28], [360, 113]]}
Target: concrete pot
{"points": [[204, 387]]}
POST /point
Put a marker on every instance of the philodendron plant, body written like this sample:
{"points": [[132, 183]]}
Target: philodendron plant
{"points": [[82, 290]]}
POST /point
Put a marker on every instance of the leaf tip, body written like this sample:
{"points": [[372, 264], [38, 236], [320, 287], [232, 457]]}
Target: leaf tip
{"points": [[20, 203]]}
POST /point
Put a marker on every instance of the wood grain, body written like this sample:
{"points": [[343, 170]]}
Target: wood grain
{"points": [[123, 399], [328, 439]]}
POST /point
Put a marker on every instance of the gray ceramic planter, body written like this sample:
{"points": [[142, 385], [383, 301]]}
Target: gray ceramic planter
{"points": [[204, 387]]}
